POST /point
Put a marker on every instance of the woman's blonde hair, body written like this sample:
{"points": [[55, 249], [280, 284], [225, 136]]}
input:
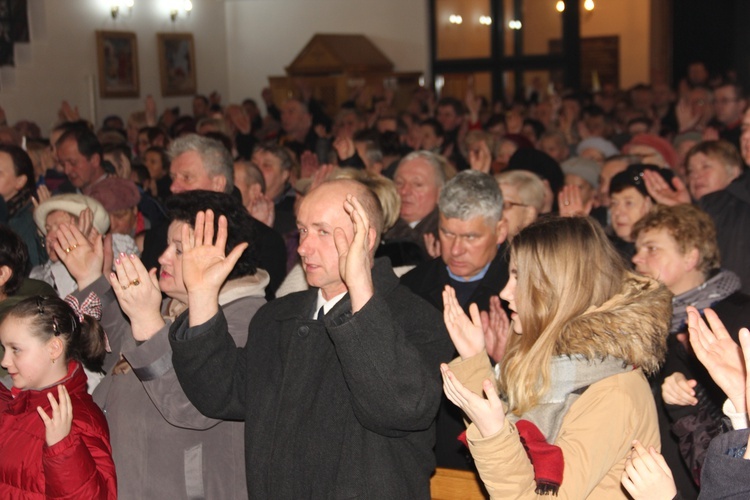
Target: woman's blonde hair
{"points": [[564, 265]]}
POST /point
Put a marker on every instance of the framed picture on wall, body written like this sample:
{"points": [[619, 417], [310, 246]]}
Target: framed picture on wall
{"points": [[176, 63], [117, 57]]}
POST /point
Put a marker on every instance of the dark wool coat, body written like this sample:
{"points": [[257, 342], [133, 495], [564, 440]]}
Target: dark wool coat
{"points": [[401, 232], [428, 281], [339, 408], [725, 473], [730, 211], [687, 430]]}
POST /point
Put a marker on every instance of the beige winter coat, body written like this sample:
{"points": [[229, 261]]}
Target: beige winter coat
{"points": [[598, 430]]}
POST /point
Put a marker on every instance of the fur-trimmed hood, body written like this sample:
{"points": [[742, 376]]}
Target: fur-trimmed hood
{"points": [[632, 326]]}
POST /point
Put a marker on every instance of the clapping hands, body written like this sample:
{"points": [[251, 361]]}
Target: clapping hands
{"points": [[721, 356], [467, 334], [487, 414]]}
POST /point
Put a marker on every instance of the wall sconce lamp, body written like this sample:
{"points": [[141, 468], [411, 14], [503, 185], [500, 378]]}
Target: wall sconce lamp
{"points": [[485, 20], [116, 5], [515, 24], [587, 4], [179, 5], [455, 19]]}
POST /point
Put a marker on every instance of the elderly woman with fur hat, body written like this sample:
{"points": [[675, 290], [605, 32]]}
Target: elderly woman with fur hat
{"points": [[86, 213], [90, 217]]}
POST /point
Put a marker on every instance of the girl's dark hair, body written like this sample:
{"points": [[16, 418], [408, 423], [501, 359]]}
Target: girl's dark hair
{"points": [[22, 164], [240, 226], [53, 317]]}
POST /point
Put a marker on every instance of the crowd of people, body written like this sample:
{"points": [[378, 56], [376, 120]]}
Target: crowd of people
{"points": [[237, 304]]}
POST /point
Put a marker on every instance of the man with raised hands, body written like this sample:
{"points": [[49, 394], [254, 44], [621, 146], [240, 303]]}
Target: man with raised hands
{"points": [[338, 385]]}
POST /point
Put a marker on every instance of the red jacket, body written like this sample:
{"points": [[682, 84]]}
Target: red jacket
{"points": [[79, 466]]}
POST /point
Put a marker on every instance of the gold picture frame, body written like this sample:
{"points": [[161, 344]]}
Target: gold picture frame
{"points": [[176, 63], [117, 58]]}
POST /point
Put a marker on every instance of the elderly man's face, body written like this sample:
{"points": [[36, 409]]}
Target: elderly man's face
{"points": [[188, 174], [322, 211], [418, 188], [81, 171], [467, 246]]}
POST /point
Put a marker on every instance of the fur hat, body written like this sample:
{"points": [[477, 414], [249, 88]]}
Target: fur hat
{"points": [[116, 193], [73, 204]]}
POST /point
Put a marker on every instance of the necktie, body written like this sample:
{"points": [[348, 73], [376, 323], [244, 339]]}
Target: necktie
{"points": [[321, 313]]}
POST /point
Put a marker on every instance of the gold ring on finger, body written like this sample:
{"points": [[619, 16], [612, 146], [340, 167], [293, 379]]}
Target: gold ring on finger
{"points": [[135, 282], [67, 250], [74, 247]]}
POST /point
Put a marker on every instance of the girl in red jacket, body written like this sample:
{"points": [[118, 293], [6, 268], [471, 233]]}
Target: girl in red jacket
{"points": [[53, 437]]}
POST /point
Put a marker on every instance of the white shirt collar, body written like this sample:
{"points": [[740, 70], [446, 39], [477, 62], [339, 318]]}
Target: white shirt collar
{"points": [[327, 305]]}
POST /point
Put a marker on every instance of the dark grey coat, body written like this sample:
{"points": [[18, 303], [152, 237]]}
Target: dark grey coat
{"points": [[725, 473], [339, 408]]}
